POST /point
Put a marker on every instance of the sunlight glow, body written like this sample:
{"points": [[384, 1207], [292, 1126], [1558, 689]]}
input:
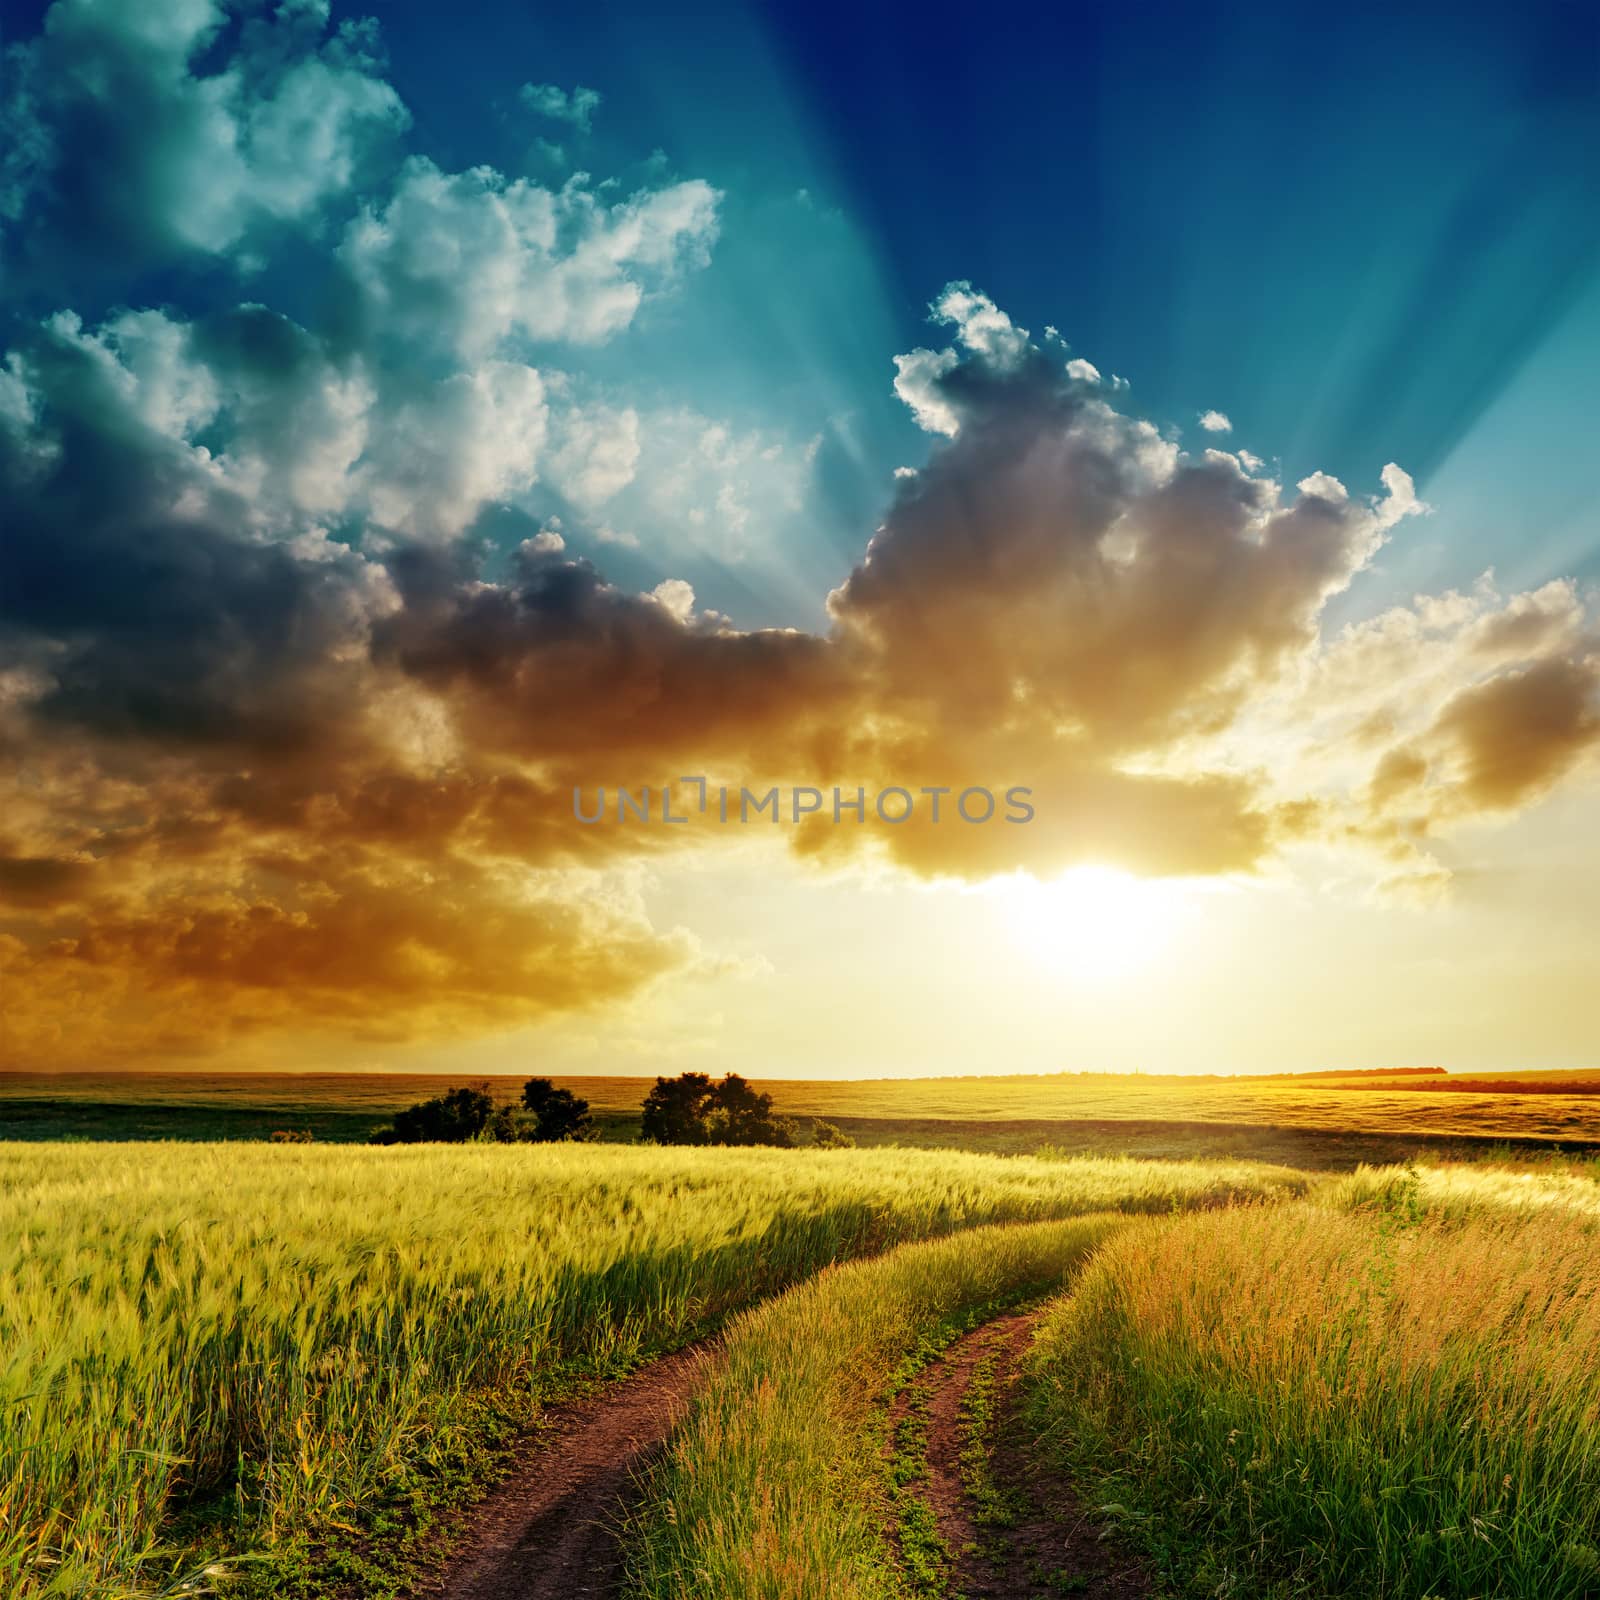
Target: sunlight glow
{"points": [[1093, 922]]}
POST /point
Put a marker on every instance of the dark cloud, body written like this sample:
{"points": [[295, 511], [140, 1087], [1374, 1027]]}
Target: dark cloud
{"points": [[1514, 736], [555, 663], [122, 150], [129, 581], [292, 750]]}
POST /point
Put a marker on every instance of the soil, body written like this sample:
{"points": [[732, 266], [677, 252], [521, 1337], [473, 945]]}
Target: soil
{"points": [[549, 1532], [1051, 1546]]}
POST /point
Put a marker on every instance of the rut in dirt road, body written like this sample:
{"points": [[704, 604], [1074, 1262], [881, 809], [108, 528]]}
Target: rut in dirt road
{"points": [[1011, 1534], [550, 1531]]}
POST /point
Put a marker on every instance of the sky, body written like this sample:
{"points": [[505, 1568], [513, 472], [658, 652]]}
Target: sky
{"points": [[410, 419]]}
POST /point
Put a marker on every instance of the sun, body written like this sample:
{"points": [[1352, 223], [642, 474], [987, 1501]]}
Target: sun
{"points": [[1093, 922]]}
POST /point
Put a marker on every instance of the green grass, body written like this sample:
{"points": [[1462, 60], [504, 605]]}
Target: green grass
{"points": [[992, 1506], [925, 1559], [775, 1487], [119, 1122], [215, 1350], [1390, 1392]]}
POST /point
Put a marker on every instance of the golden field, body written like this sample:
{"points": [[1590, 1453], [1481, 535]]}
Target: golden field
{"points": [[1362, 1105]]}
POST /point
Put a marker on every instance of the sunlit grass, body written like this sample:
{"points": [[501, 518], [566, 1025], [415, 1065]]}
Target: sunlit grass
{"points": [[277, 1332], [1392, 1392], [774, 1487], [1461, 1191]]}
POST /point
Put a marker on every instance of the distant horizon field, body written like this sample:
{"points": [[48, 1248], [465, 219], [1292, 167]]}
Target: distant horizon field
{"points": [[1136, 1112]]}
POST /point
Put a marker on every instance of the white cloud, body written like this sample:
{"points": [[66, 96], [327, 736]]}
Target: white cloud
{"points": [[704, 485], [675, 596], [1215, 422], [464, 261], [576, 106], [981, 325], [594, 454], [1324, 486], [472, 438], [1400, 497], [284, 435], [916, 381]]}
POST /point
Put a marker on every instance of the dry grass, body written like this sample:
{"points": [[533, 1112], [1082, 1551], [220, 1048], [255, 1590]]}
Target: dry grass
{"points": [[1392, 1392]]}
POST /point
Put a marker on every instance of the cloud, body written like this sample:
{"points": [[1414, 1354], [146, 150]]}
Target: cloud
{"points": [[981, 326], [1061, 592], [1511, 738], [923, 378], [289, 748], [363, 945], [676, 596], [120, 151], [1215, 422], [701, 485], [596, 453], [131, 584], [459, 263], [576, 106], [441, 454], [554, 664], [916, 382], [1438, 716]]}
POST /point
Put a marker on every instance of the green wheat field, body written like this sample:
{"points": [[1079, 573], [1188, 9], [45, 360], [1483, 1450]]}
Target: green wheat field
{"points": [[268, 1369]]}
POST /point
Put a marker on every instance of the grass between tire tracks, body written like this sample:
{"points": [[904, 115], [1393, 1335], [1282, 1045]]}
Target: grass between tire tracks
{"points": [[774, 1488]]}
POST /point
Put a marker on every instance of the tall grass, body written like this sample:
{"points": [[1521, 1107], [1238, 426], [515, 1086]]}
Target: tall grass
{"points": [[1454, 1192], [772, 1489], [282, 1330], [1395, 1393]]}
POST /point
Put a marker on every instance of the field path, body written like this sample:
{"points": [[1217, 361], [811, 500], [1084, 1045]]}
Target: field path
{"points": [[1043, 1543], [549, 1532]]}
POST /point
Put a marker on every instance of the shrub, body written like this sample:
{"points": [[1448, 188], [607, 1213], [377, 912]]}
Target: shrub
{"points": [[691, 1109], [452, 1118], [558, 1113]]}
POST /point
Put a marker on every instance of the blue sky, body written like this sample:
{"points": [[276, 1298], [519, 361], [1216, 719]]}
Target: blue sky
{"points": [[410, 414], [1363, 234]]}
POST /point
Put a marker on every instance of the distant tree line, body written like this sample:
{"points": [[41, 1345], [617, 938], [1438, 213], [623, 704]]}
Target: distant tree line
{"points": [[689, 1109], [547, 1114]]}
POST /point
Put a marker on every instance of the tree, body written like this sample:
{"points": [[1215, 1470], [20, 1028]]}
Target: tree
{"points": [[677, 1110], [741, 1115], [691, 1109], [830, 1136], [452, 1118], [558, 1113]]}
